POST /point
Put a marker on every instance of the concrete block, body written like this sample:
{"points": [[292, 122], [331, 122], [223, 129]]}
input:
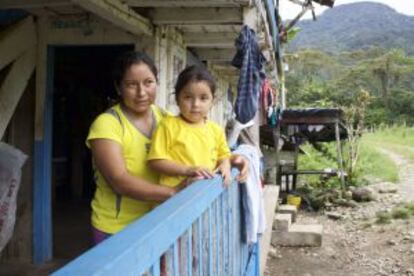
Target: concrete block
{"points": [[270, 197], [299, 235], [281, 222], [288, 209]]}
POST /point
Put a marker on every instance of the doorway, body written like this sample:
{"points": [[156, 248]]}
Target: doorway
{"points": [[82, 89]]}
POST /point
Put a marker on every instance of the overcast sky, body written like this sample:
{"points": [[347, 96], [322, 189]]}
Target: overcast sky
{"points": [[289, 10]]}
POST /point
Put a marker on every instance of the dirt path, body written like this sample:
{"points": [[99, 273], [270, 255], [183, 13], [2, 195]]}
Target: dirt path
{"points": [[355, 244], [406, 184]]}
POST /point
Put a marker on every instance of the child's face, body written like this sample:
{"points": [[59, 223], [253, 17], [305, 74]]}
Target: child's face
{"points": [[195, 101]]}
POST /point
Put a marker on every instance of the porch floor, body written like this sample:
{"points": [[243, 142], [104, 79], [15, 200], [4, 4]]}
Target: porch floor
{"points": [[71, 237]]}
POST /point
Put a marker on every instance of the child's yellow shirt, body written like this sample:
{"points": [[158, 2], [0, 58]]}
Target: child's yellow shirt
{"points": [[187, 144]]}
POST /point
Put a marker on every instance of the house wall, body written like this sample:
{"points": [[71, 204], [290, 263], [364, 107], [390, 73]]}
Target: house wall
{"points": [[171, 57], [168, 49], [217, 113], [20, 133]]}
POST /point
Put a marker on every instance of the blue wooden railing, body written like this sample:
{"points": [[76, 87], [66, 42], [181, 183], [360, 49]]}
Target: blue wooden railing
{"points": [[198, 232]]}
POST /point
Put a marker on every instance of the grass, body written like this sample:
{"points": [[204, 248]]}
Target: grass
{"points": [[393, 135], [404, 211], [410, 206], [373, 163], [383, 217], [400, 213], [397, 139]]}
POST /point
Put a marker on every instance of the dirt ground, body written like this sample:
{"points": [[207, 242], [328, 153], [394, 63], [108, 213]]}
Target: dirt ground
{"points": [[355, 244]]}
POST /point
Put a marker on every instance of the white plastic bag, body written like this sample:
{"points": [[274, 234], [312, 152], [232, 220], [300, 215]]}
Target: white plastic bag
{"points": [[11, 162]]}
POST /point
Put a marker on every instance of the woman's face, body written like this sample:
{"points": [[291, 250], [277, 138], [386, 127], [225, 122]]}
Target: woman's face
{"points": [[138, 88]]}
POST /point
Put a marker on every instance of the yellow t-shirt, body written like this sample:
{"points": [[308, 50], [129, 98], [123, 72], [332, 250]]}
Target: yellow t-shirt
{"points": [[111, 212], [176, 140]]}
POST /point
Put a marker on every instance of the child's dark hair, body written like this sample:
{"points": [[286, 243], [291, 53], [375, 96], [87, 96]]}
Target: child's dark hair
{"points": [[194, 74], [126, 60]]}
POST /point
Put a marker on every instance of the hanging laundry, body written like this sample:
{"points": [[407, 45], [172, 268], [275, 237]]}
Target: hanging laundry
{"points": [[270, 110], [250, 61], [254, 219], [267, 98]]}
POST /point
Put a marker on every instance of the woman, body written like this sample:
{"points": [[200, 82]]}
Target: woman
{"points": [[119, 140]]}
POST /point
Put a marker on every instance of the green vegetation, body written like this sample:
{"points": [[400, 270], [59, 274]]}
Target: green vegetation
{"points": [[332, 64], [356, 26], [396, 139], [318, 79], [399, 135], [410, 206], [400, 213], [404, 211], [375, 88], [383, 217], [372, 164], [375, 164]]}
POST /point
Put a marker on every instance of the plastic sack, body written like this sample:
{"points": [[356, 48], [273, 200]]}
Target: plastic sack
{"points": [[11, 162]]}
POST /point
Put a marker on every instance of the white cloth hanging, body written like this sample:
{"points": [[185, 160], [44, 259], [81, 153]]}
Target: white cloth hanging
{"points": [[252, 195]]}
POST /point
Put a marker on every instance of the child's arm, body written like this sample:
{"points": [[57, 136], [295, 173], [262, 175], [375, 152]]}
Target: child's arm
{"points": [[172, 168], [242, 164], [224, 167], [230, 160]]}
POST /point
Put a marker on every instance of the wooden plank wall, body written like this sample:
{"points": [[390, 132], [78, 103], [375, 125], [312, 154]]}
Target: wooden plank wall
{"points": [[20, 134], [17, 45]]}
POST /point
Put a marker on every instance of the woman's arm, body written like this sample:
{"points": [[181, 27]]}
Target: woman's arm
{"points": [[172, 168], [109, 161]]}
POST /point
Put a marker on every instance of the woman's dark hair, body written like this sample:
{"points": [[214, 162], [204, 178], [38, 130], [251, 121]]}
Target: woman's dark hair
{"points": [[126, 60], [194, 74]]}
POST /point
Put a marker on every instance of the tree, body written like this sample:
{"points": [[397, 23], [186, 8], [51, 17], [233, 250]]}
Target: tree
{"points": [[355, 124], [317, 79]]}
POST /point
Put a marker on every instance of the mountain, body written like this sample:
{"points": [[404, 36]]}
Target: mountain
{"points": [[356, 26]]}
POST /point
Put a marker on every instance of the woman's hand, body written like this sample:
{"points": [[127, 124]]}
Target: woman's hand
{"points": [[187, 182], [242, 164], [224, 168], [199, 172]]}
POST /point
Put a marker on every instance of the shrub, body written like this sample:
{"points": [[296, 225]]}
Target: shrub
{"points": [[383, 217], [410, 207], [400, 213]]}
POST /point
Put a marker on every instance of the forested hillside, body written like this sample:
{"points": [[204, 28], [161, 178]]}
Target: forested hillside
{"points": [[352, 48], [318, 79], [356, 26]]}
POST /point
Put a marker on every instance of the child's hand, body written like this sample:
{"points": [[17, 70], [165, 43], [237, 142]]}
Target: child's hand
{"points": [[224, 168], [242, 164], [199, 172]]}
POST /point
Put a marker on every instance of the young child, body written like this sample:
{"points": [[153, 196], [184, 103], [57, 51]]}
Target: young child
{"points": [[189, 145]]}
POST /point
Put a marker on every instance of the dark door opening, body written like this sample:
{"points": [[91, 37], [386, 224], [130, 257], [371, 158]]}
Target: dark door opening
{"points": [[82, 89]]}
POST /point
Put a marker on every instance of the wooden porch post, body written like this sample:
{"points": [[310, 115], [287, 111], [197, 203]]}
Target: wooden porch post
{"points": [[42, 174], [339, 154]]}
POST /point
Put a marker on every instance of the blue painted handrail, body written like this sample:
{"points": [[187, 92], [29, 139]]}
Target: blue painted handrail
{"points": [[198, 231]]}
